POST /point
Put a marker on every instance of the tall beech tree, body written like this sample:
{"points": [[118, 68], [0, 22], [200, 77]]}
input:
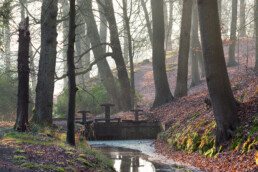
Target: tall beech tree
{"points": [[147, 18], [130, 48], [182, 69], [70, 137], [47, 63], [242, 32], [232, 45], [219, 87], [117, 53], [105, 72], [162, 91], [195, 49], [23, 76]]}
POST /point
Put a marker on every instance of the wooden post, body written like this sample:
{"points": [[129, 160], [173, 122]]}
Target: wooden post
{"points": [[107, 112], [84, 113], [136, 113]]}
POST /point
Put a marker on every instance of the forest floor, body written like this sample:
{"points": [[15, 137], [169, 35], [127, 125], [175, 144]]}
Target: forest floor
{"points": [[47, 152], [190, 134]]}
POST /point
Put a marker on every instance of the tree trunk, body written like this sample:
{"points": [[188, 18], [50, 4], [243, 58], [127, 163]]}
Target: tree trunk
{"points": [[162, 91], [47, 63], [117, 55], [23, 76], [125, 47], [103, 25], [7, 35], [147, 18], [65, 13], [104, 69], [79, 46], [166, 23], [102, 29], [220, 8], [242, 19], [130, 49], [182, 70], [195, 49], [70, 137], [256, 34], [232, 46], [170, 27], [222, 99]]}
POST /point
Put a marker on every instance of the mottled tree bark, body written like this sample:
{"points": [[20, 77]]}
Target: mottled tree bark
{"points": [[232, 46], [222, 99], [23, 76], [162, 91], [70, 136], [47, 63], [182, 70]]}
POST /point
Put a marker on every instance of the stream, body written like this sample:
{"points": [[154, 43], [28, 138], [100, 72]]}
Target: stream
{"points": [[137, 156]]}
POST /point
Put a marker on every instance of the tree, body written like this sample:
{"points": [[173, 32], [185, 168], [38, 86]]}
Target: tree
{"points": [[23, 76], [170, 27], [47, 63], [147, 18], [195, 49], [222, 98], [232, 46], [182, 70], [242, 32], [130, 48], [70, 137], [162, 91], [256, 34], [117, 53], [106, 75]]}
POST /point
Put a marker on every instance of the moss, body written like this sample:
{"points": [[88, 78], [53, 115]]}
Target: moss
{"points": [[59, 169], [61, 163], [47, 167], [211, 152], [254, 127], [247, 146], [192, 143], [194, 117], [18, 157], [207, 140], [69, 153], [30, 165], [83, 156], [85, 162], [19, 151], [236, 142]]}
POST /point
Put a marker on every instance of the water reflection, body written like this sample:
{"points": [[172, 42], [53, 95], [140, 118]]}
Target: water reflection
{"points": [[129, 160]]}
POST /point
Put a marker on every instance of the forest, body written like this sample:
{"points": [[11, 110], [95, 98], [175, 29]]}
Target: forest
{"points": [[128, 85]]}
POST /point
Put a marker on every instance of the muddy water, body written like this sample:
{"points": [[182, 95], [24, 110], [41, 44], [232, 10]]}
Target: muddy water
{"points": [[136, 156]]}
